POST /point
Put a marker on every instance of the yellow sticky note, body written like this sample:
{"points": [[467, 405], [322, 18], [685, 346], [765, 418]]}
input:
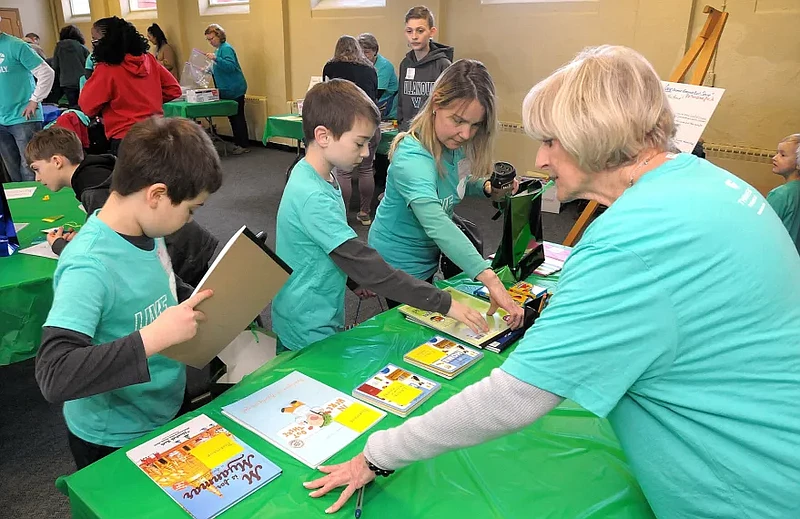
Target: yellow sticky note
{"points": [[217, 450], [399, 393], [426, 354], [357, 417]]}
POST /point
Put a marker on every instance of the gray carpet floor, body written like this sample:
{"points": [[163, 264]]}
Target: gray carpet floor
{"points": [[33, 442]]}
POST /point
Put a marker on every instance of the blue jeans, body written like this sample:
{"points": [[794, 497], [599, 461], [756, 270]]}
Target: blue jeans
{"points": [[13, 140]]}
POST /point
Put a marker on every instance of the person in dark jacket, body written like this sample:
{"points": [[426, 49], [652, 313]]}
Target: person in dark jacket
{"points": [[56, 156], [422, 66], [68, 61], [350, 63]]}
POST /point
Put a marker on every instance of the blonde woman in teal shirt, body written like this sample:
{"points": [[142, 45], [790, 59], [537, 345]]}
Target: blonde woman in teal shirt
{"points": [[445, 155], [676, 315]]}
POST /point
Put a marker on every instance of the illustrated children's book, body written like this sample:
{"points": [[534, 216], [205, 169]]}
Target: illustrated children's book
{"points": [[442, 356], [203, 467], [396, 390], [305, 418], [497, 322]]}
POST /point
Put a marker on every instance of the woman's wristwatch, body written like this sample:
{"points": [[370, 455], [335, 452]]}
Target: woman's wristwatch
{"points": [[378, 471]]}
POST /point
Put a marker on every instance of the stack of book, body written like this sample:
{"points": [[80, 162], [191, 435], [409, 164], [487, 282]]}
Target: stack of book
{"points": [[554, 257], [443, 357], [396, 390]]}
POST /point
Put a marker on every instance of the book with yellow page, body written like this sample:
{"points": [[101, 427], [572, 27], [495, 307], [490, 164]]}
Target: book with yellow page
{"points": [[396, 390], [441, 323], [443, 357]]}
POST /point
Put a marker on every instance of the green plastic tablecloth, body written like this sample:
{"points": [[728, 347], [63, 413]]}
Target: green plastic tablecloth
{"points": [[26, 282], [566, 465], [290, 126], [221, 108]]}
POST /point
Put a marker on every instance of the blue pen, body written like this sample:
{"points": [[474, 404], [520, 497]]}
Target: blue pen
{"points": [[359, 502]]}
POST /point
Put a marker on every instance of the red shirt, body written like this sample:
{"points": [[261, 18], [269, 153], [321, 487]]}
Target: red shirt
{"points": [[127, 93]]}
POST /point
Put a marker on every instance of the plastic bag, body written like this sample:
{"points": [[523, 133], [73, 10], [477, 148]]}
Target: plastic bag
{"points": [[197, 71]]}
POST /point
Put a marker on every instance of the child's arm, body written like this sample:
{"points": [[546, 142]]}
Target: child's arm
{"points": [[96, 92], [366, 267], [369, 270], [69, 366]]}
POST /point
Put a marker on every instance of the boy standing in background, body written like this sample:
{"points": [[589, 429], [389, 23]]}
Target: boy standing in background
{"points": [[422, 66]]}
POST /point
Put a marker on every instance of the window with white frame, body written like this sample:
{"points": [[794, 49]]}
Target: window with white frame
{"points": [[531, 1], [141, 5], [77, 8], [139, 9], [345, 4], [216, 7]]}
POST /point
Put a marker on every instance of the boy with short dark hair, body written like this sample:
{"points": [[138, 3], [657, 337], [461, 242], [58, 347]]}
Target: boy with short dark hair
{"points": [[313, 237], [115, 304], [56, 156], [422, 66]]}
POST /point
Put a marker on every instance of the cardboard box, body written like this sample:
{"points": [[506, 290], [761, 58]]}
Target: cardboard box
{"points": [[202, 95]]}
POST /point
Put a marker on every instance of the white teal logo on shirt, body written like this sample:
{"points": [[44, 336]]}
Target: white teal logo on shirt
{"points": [[2, 59], [151, 313]]}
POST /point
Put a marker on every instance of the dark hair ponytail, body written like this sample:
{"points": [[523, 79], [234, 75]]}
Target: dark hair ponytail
{"points": [[158, 34], [120, 37]]}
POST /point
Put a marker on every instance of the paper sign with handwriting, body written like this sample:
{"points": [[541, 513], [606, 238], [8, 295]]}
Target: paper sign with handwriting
{"points": [[693, 106]]}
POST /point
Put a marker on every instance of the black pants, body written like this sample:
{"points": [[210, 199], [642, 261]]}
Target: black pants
{"points": [[113, 146], [239, 125], [393, 304], [86, 453], [72, 94]]}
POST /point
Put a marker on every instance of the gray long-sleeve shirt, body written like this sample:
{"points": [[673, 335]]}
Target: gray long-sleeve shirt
{"points": [[497, 405]]}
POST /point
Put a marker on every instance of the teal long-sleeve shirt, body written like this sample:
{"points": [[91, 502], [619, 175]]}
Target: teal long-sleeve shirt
{"points": [[228, 74]]}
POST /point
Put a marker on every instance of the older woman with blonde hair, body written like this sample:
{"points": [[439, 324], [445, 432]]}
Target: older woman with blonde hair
{"points": [[676, 315], [230, 81]]}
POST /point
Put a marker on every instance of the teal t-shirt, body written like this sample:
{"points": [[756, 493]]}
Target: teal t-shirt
{"points": [[228, 74], [387, 81], [785, 200], [676, 316], [107, 288], [312, 222], [396, 232], [17, 60]]}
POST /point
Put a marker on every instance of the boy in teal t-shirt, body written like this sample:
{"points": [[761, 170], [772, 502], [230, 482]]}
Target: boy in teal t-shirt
{"points": [[785, 199], [20, 101], [676, 317], [312, 234], [115, 305]]}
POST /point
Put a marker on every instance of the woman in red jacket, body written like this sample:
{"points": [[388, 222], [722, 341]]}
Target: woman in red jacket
{"points": [[128, 84]]}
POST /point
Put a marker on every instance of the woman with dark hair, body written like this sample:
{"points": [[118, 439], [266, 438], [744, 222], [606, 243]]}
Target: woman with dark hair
{"points": [[128, 85], [164, 52], [68, 62], [350, 63]]}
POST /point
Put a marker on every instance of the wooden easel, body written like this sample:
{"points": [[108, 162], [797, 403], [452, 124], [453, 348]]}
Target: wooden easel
{"points": [[701, 50]]}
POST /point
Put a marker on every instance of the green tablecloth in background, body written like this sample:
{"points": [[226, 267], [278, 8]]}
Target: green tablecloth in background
{"points": [[568, 464], [221, 108], [26, 282], [290, 126]]}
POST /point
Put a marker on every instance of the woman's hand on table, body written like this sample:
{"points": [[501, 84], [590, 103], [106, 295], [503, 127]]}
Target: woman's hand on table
{"points": [[468, 316], [500, 298], [352, 475]]}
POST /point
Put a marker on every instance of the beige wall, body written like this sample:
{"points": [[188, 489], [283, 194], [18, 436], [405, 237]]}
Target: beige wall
{"points": [[35, 16], [281, 43]]}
